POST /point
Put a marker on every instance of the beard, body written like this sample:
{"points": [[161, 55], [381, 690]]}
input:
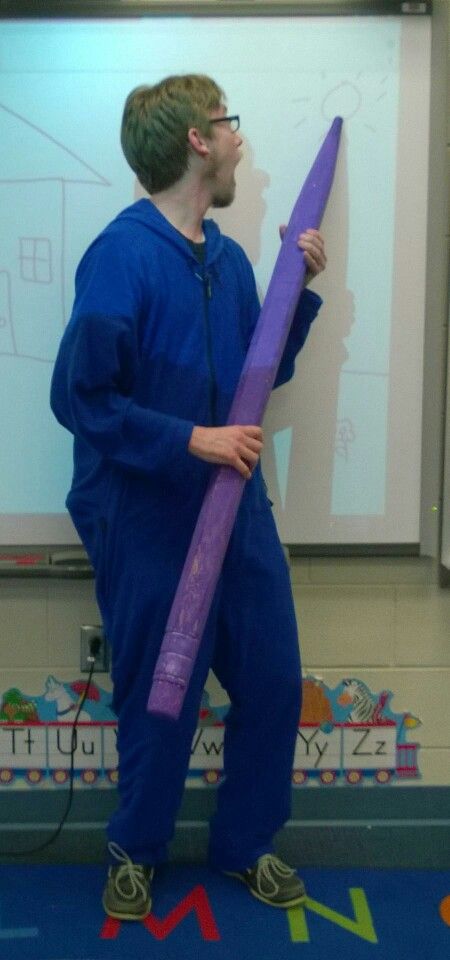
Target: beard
{"points": [[224, 197], [222, 194]]}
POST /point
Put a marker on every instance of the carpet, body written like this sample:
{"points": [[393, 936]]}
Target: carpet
{"points": [[55, 913]]}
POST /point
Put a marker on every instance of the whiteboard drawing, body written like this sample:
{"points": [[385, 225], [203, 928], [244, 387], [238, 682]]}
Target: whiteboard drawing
{"points": [[342, 451], [345, 436], [34, 172]]}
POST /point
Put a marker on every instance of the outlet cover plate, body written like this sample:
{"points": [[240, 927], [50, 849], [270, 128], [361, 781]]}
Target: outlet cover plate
{"points": [[88, 633]]}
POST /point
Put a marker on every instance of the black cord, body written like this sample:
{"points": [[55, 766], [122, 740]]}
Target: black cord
{"points": [[94, 648]]}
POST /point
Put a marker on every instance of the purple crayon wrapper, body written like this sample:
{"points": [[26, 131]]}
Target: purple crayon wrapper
{"points": [[203, 564]]}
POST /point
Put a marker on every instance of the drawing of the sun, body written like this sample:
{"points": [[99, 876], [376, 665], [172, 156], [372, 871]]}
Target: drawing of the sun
{"points": [[345, 98]]}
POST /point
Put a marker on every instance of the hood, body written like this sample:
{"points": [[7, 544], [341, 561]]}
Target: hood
{"points": [[145, 213]]}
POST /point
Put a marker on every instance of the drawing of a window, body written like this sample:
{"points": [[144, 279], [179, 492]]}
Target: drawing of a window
{"points": [[35, 259]]}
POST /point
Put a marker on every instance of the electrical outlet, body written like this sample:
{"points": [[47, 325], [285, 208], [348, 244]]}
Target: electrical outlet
{"points": [[88, 633]]}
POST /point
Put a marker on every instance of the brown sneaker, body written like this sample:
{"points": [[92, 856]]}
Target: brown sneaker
{"points": [[127, 892], [273, 882]]}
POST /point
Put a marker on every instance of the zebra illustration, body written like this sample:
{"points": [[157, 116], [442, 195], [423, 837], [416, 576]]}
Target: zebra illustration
{"points": [[364, 709]]}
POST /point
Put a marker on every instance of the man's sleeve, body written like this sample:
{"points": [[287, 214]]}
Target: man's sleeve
{"points": [[308, 306], [98, 364], [307, 309]]}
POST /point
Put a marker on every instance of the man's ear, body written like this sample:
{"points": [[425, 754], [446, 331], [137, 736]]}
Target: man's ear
{"points": [[198, 142]]}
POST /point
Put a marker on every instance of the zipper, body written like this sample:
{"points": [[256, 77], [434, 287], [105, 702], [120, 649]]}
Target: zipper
{"points": [[207, 293]]}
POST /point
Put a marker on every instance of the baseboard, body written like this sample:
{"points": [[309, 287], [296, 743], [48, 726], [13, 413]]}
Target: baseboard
{"points": [[337, 827]]}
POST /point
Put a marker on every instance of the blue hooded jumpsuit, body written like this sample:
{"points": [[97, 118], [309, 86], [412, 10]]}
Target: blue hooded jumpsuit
{"points": [[155, 345]]}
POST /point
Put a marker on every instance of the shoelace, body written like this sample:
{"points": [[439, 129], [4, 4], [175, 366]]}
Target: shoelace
{"points": [[269, 866], [132, 872]]}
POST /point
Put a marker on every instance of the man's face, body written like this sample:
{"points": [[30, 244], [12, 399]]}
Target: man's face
{"points": [[224, 157]]}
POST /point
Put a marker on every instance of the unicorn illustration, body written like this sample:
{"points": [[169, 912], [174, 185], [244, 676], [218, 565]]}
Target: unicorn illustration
{"points": [[66, 704]]}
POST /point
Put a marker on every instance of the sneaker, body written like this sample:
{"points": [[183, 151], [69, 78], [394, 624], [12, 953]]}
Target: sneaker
{"points": [[273, 882], [127, 892]]}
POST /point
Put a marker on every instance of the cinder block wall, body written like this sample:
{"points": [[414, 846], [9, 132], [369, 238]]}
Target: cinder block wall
{"points": [[384, 621], [387, 623]]}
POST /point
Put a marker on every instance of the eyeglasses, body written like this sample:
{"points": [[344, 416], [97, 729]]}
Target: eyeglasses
{"points": [[233, 121]]}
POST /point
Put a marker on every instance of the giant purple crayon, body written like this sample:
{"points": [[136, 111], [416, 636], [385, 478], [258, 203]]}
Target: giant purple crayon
{"points": [[203, 563]]}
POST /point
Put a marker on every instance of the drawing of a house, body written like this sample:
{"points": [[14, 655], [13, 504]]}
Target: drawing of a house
{"points": [[35, 170]]}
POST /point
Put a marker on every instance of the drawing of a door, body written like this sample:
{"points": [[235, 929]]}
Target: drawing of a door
{"points": [[7, 344]]}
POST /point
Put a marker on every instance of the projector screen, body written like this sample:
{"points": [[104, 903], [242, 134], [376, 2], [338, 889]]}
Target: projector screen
{"points": [[343, 439]]}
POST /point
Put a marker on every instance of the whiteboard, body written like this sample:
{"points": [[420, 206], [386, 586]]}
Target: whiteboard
{"points": [[343, 439]]}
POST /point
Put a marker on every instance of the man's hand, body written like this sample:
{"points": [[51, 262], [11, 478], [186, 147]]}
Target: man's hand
{"points": [[313, 246], [234, 446]]}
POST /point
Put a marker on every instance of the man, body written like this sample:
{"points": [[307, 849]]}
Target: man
{"points": [[147, 369]]}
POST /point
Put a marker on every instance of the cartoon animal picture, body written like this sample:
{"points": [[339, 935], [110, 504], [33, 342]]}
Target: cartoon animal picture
{"points": [[65, 701], [316, 707], [364, 707], [335, 723], [16, 708], [210, 714]]}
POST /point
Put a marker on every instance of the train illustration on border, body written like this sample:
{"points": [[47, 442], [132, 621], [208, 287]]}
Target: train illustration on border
{"points": [[348, 735]]}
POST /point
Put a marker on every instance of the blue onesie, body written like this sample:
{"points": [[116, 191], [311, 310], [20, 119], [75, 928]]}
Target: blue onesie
{"points": [[155, 345]]}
